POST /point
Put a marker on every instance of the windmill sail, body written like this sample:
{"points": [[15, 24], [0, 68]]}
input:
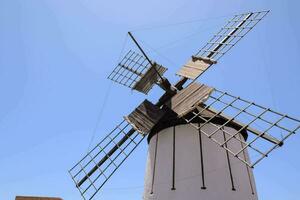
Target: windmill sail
{"points": [[95, 168], [134, 71], [195, 67], [185, 100], [229, 35], [263, 129], [145, 117]]}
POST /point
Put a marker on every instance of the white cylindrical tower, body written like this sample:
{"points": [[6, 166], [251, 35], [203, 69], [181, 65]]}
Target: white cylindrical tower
{"points": [[184, 164]]}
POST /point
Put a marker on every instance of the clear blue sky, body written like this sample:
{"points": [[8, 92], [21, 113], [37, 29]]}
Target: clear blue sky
{"points": [[54, 59]]}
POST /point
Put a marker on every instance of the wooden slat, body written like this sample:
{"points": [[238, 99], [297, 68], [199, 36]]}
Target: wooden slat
{"points": [[195, 67], [147, 81], [188, 98], [145, 117]]}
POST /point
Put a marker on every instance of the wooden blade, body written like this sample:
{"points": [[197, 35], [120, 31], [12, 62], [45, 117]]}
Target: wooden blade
{"points": [[145, 117], [187, 99], [151, 77], [195, 67]]}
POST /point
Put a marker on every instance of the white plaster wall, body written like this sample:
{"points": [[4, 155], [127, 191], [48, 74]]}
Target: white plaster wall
{"points": [[188, 178]]}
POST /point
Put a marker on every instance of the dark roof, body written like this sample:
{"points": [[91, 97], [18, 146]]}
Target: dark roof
{"points": [[36, 198], [171, 119]]}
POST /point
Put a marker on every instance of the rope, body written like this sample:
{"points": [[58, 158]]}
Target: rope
{"points": [[267, 73], [185, 37], [200, 30], [102, 107], [161, 26], [100, 114], [158, 53]]}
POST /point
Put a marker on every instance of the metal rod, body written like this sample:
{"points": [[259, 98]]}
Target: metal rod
{"points": [[154, 164], [229, 163], [164, 83], [247, 168], [201, 158], [174, 157], [140, 48], [232, 153]]}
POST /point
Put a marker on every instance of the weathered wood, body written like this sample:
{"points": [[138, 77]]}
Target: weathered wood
{"points": [[195, 67], [187, 99], [151, 76], [145, 117]]}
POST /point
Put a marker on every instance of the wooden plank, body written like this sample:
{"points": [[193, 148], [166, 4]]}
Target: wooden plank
{"points": [[188, 98], [145, 117], [192, 69], [195, 67], [147, 81]]}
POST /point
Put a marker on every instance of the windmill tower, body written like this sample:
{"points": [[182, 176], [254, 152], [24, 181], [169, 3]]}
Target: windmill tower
{"points": [[203, 142]]}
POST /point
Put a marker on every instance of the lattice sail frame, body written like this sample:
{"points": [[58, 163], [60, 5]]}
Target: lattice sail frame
{"points": [[267, 129], [230, 34], [132, 69], [89, 186]]}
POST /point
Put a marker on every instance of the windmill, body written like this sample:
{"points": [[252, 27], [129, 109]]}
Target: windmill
{"points": [[199, 137]]}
